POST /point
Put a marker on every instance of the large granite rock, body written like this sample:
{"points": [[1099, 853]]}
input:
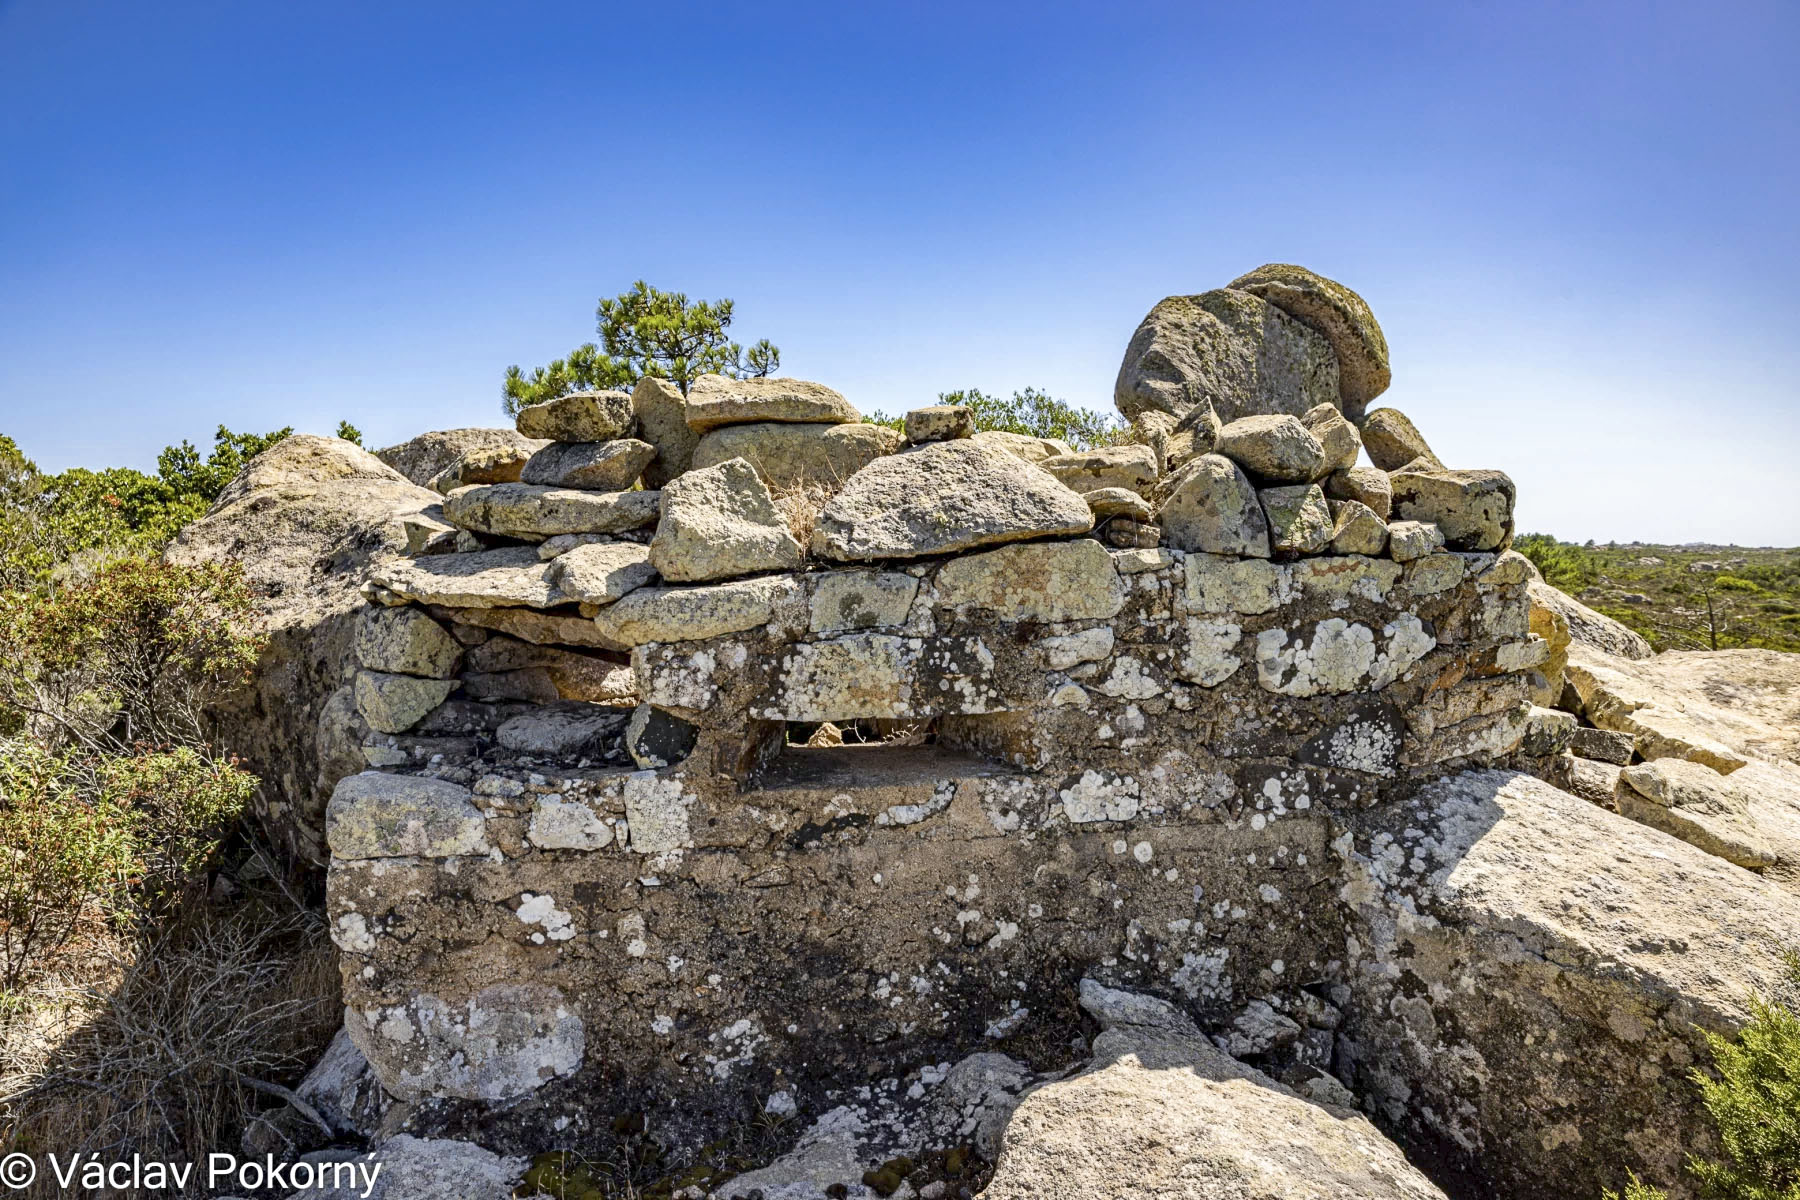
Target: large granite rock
{"points": [[1273, 449], [720, 522], [1355, 529], [579, 417], [1365, 485], [412, 1168], [1550, 622], [790, 455], [512, 575], [1337, 437], [1299, 519], [1392, 441], [662, 421], [1473, 508], [1582, 624], [373, 815], [486, 464], [942, 498], [601, 572], [1338, 313], [938, 423], [404, 641], [423, 458], [715, 400], [1211, 506], [1532, 976], [305, 519], [596, 466], [1131, 467], [1163, 1112], [1615, 696], [1698, 805], [395, 703], [687, 614], [533, 511], [1232, 348], [1022, 445]]}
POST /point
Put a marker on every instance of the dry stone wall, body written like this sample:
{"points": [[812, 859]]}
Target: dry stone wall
{"points": [[703, 752], [847, 746]]}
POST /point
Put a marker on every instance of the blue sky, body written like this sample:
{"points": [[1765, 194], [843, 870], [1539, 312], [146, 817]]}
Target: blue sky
{"points": [[1576, 222]]}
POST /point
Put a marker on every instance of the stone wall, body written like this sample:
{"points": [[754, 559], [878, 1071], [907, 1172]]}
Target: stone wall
{"points": [[723, 748], [1133, 764]]}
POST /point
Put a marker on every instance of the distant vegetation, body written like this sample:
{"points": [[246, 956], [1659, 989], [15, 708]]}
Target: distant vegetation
{"points": [[1681, 597], [644, 331], [1034, 413]]}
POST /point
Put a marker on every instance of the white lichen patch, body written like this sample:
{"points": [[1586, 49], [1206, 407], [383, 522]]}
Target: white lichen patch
{"points": [[557, 925], [656, 812], [558, 824], [1130, 681], [1100, 796], [1339, 657], [351, 934], [1208, 659], [1067, 650]]}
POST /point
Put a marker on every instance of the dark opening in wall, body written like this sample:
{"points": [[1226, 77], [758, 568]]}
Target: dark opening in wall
{"points": [[863, 731]]}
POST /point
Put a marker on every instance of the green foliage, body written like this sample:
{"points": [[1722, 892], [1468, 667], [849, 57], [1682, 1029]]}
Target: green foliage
{"points": [[645, 331], [1562, 564], [179, 805], [1636, 1189], [349, 433], [65, 856], [111, 806], [1033, 413], [1755, 1103], [1681, 597], [127, 655], [48, 520]]}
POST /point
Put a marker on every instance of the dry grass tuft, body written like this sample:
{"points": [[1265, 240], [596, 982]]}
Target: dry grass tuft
{"points": [[799, 505], [167, 1045]]}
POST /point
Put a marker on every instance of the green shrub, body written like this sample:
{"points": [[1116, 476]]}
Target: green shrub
{"points": [[1562, 564], [1755, 1102], [127, 655], [1033, 413], [66, 857], [1732, 583], [179, 806]]}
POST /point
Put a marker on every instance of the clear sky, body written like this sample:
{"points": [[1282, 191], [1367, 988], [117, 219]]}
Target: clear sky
{"points": [[1577, 223]]}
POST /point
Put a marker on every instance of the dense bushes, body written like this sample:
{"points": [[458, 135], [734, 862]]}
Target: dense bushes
{"points": [[112, 804], [49, 520], [158, 977]]}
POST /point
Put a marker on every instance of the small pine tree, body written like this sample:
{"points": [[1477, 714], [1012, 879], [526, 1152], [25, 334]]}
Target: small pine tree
{"points": [[645, 331], [349, 433]]}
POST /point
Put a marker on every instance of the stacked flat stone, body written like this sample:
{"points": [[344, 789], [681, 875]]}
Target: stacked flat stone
{"points": [[610, 522], [550, 572]]}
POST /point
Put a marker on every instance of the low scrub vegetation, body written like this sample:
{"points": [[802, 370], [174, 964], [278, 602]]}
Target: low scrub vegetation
{"points": [[160, 980], [1681, 597]]}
